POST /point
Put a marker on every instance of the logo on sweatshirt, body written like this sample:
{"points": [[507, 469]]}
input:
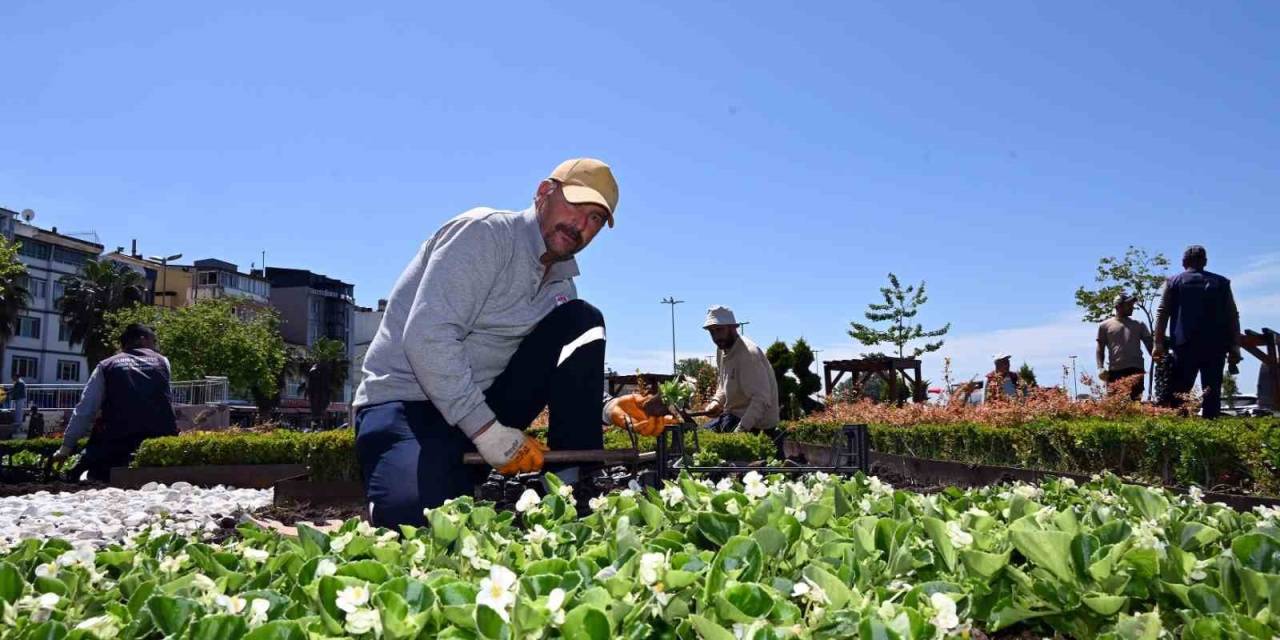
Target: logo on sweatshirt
{"points": [[561, 299]]}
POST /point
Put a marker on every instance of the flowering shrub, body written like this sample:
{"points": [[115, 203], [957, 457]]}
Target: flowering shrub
{"points": [[763, 558]]}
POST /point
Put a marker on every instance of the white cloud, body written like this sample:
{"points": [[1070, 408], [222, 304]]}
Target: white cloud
{"points": [[1262, 272]]}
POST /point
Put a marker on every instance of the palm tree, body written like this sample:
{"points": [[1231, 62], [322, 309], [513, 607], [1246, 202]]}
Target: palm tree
{"points": [[100, 288], [14, 295], [324, 368]]}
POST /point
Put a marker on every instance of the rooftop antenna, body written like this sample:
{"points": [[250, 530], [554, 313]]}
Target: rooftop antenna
{"points": [[28, 215]]}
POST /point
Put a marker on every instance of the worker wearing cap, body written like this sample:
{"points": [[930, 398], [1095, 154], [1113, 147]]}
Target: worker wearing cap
{"points": [[1120, 341], [746, 396], [482, 331], [1002, 382], [1197, 308]]}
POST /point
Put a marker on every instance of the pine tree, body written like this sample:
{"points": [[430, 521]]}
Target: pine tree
{"points": [[899, 307]]}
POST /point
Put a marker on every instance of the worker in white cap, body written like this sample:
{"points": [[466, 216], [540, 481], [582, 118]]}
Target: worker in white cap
{"points": [[746, 392]]}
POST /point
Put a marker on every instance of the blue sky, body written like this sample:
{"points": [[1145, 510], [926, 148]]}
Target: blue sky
{"points": [[777, 159]]}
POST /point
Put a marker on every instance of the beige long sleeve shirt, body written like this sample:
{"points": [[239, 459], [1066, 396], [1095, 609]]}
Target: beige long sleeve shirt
{"points": [[746, 387]]}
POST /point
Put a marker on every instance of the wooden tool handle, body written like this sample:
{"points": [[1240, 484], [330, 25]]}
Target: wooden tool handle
{"points": [[607, 456]]}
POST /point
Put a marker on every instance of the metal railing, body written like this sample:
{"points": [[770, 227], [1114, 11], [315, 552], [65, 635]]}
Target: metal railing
{"points": [[211, 390]]}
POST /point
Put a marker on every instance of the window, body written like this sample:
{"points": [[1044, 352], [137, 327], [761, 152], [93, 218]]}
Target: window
{"points": [[37, 287], [34, 248], [70, 256], [28, 327], [206, 278], [68, 371], [64, 331], [58, 291], [24, 366]]}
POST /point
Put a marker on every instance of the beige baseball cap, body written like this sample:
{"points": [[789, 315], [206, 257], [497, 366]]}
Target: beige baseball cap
{"points": [[720, 316], [587, 180]]}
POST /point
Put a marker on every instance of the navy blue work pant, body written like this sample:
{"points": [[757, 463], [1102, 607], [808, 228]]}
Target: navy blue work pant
{"points": [[1208, 365], [411, 458]]}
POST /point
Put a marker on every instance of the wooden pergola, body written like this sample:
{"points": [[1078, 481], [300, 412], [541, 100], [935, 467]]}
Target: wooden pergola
{"points": [[617, 383], [1265, 346], [862, 370]]}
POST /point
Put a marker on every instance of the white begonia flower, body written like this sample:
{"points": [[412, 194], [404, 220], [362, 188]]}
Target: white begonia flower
{"points": [[539, 535], [232, 604], [864, 505], [725, 484], [417, 550], [1198, 571], [650, 566], [944, 618], [899, 585], [565, 490], [797, 513], [1196, 494], [1067, 482], [606, 573], [1045, 516], [258, 611], [362, 621], [815, 594], [48, 600], [528, 501], [471, 551], [365, 529], [102, 627], [879, 488], [555, 605], [326, 567], [47, 570], [732, 507], [351, 598], [388, 536], [799, 590], [959, 537], [627, 493], [1146, 535], [821, 477], [498, 591], [255, 555], [754, 486], [598, 503], [672, 495], [1027, 491], [338, 544], [887, 610], [172, 564]]}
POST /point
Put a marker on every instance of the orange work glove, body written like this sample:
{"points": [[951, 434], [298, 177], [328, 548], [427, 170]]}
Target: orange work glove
{"points": [[508, 450], [527, 459], [631, 407]]}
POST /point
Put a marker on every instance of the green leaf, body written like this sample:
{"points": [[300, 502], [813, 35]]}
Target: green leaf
{"points": [[11, 583], [586, 621], [816, 514], [937, 531], [314, 542], [677, 579], [219, 627], [717, 527], [744, 602], [983, 564], [1150, 504], [1207, 600], [708, 630], [772, 542], [740, 558], [171, 614], [141, 594], [49, 630], [652, 515], [1145, 626], [1048, 549], [370, 571], [1195, 535], [278, 630], [1084, 549], [1257, 552], [490, 624], [838, 594], [1105, 605], [442, 527]]}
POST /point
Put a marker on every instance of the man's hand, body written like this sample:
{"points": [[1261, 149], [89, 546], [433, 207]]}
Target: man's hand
{"points": [[653, 406], [1104, 376], [62, 453], [510, 451], [713, 410], [1159, 352], [1234, 356], [637, 410]]}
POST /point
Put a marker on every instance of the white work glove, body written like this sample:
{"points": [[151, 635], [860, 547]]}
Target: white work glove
{"points": [[62, 453], [510, 451]]}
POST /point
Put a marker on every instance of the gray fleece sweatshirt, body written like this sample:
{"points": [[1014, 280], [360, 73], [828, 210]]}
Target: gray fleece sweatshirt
{"points": [[459, 311]]}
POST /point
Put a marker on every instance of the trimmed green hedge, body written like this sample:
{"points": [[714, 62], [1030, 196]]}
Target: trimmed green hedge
{"points": [[331, 454], [1241, 453]]}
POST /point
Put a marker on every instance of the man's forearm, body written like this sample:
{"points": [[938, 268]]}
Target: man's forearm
{"points": [[81, 422], [1101, 356]]}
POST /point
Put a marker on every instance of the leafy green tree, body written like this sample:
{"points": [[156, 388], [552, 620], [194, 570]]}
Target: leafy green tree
{"points": [[1027, 376], [208, 338], [100, 289], [13, 291], [1230, 386], [1137, 273], [900, 306], [692, 367], [808, 382], [796, 383], [324, 368]]}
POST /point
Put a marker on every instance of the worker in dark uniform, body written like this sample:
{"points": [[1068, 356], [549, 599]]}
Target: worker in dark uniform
{"points": [[1200, 314], [131, 390]]}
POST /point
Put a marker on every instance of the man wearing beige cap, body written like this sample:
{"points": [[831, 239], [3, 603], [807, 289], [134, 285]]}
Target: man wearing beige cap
{"points": [[483, 330], [746, 392], [1120, 339]]}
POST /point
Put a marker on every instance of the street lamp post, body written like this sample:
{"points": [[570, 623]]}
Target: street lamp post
{"points": [[671, 300], [1075, 387], [164, 277]]}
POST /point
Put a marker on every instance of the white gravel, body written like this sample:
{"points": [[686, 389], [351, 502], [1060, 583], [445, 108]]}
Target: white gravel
{"points": [[100, 517]]}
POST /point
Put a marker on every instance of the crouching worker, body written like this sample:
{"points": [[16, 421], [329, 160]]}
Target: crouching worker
{"points": [[482, 331], [746, 392], [131, 390]]}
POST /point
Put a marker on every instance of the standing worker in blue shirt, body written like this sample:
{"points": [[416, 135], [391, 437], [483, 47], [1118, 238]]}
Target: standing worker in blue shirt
{"points": [[18, 395], [1200, 313], [483, 330], [131, 390]]}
